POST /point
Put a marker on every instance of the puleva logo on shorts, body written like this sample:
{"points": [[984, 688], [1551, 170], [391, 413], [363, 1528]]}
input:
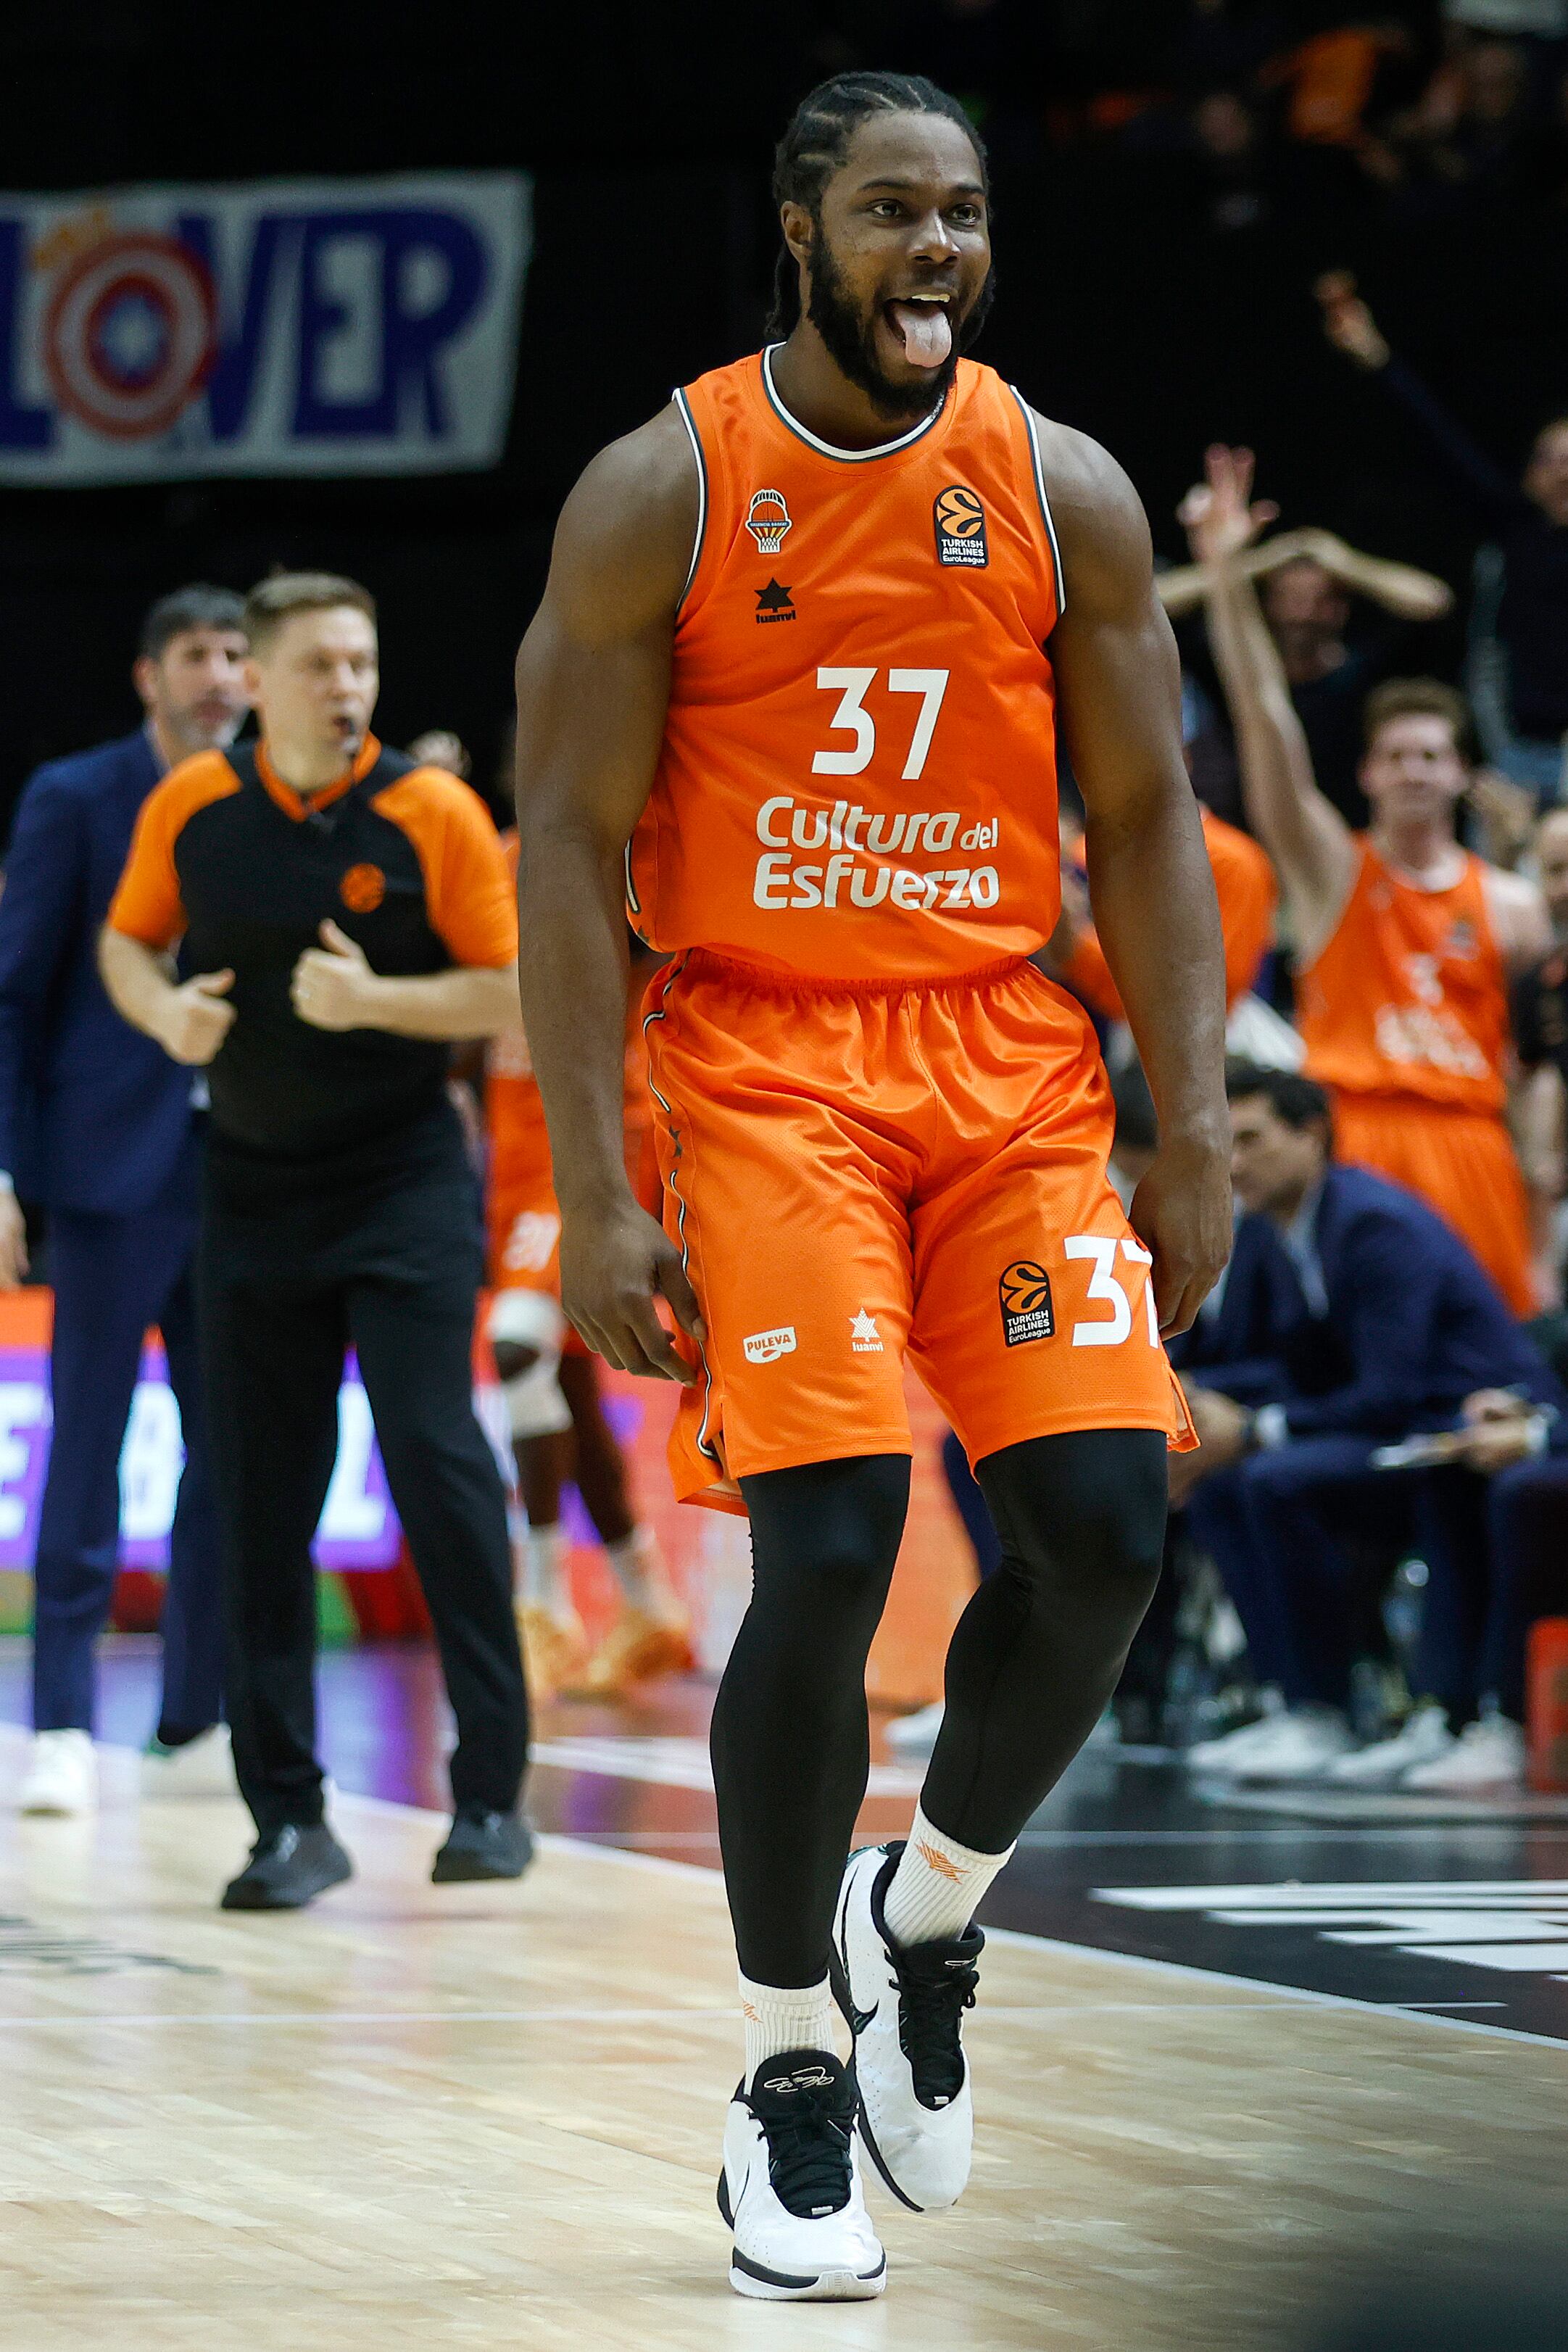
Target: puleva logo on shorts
{"points": [[1024, 1290], [960, 526], [766, 1347], [768, 518]]}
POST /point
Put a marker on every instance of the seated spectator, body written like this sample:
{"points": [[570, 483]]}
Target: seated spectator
{"points": [[1392, 1326], [1522, 1452], [1518, 661]]}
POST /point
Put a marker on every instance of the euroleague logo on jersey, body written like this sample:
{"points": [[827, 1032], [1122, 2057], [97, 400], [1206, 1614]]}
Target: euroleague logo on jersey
{"points": [[960, 521], [1024, 1291]]}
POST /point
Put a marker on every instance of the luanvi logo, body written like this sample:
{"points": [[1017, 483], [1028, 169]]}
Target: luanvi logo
{"points": [[766, 1347], [960, 528], [774, 602], [1024, 1290]]}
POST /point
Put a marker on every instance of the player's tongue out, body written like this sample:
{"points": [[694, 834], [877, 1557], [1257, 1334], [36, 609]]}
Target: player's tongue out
{"points": [[926, 330]]}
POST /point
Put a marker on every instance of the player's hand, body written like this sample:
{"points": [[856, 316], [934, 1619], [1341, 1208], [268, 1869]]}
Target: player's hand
{"points": [[333, 986], [1181, 1212], [13, 1241], [612, 1268], [1348, 323], [1219, 514], [194, 1020]]}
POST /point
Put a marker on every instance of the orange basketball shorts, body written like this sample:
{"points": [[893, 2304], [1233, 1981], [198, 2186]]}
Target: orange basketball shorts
{"points": [[1461, 1162], [523, 1220], [860, 1172]]}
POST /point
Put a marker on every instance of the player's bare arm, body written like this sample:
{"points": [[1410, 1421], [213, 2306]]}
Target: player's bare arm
{"points": [[1304, 832], [1150, 881], [1520, 921], [592, 689]]}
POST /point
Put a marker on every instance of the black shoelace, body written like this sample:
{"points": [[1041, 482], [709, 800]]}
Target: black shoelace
{"points": [[808, 2152], [931, 2002]]}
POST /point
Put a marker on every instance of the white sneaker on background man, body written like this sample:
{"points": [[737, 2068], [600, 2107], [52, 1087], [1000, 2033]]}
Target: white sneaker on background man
{"points": [[1224, 1753], [61, 1776], [1422, 1739], [916, 1735], [203, 1767], [1487, 1753], [1300, 1745]]}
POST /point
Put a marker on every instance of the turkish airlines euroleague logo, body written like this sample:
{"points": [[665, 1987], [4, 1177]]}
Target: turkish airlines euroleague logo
{"points": [[1024, 1290], [960, 526]]}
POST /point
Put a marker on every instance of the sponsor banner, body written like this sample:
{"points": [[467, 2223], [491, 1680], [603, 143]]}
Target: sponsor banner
{"points": [[284, 327]]}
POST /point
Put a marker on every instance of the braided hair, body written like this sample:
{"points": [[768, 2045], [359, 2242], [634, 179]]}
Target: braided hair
{"points": [[818, 139]]}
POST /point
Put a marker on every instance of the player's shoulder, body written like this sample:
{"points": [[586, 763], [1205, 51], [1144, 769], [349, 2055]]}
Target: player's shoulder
{"points": [[624, 544], [647, 482], [1511, 890], [1099, 516]]}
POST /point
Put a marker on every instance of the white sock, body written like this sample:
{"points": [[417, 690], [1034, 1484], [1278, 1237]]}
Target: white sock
{"points": [[780, 2018], [544, 1570], [637, 1566], [937, 1886]]}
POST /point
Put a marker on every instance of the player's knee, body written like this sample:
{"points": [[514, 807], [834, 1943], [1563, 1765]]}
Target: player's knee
{"points": [[833, 1528], [525, 1330], [1088, 1507]]}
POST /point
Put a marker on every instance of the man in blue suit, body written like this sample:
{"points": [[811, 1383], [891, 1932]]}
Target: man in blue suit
{"points": [[1395, 1326], [99, 1127]]}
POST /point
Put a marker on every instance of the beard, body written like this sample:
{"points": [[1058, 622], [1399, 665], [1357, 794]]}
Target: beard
{"points": [[850, 336]]}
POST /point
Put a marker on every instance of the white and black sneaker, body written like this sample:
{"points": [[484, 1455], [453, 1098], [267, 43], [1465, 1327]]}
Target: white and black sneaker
{"points": [[904, 2005], [790, 2186]]}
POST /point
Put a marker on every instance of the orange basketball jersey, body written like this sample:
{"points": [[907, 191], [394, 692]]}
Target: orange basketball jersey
{"points": [[1244, 883], [858, 778], [1409, 996]]}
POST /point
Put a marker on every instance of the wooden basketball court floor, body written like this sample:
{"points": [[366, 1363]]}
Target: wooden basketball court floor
{"points": [[490, 2116]]}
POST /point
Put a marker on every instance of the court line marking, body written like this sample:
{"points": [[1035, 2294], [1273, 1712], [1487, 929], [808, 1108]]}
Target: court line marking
{"points": [[1011, 2014], [550, 1840]]}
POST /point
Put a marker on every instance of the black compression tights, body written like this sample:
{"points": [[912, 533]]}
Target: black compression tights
{"points": [[1033, 1659]]}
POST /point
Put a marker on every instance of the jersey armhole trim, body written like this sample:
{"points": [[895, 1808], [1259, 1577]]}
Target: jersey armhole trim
{"points": [[1041, 492], [684, 405]]}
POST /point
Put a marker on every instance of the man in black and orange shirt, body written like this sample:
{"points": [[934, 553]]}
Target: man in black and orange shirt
{"points": [[346, 913]]}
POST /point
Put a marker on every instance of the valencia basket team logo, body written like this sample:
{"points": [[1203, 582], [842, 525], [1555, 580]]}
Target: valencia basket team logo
{"points": [[1024, 1290], [960, 526], [768, 518]]}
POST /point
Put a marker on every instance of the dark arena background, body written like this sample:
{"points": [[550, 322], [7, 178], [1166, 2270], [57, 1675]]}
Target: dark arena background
{"points": [[1270, 2050]]}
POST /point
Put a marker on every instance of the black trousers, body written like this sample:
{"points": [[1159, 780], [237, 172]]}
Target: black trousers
{"points": [[289, 1278]]}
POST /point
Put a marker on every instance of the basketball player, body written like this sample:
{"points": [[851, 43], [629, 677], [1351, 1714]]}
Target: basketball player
{"points": [[1405, 941], [791, 657], [549, 1380]]}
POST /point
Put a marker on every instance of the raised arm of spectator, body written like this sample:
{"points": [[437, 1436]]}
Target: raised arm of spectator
{"points": [[1400, 588], [1352, 329], [1408, 593], [1304, 832]]}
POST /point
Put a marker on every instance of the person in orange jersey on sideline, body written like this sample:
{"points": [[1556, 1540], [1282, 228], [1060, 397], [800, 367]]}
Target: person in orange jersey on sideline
{"points": [[551, 1382], [1405, 941]]}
